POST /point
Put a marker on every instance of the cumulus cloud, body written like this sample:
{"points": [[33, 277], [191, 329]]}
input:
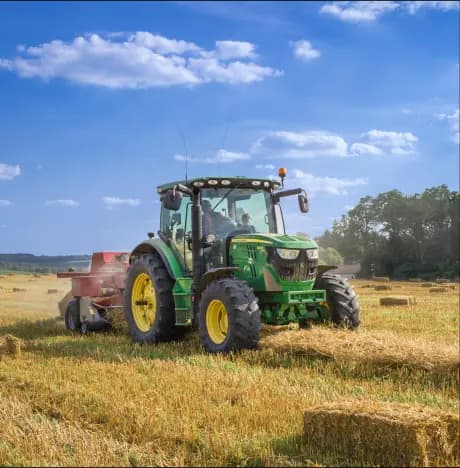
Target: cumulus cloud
{"points": [[359, 11], [365, 149], [397, 143], [330, 185], [114, 202], [316, 143], [139, 60], [454, 122], [8, 172], [368, 11], [269, 167], [67, 203], [221, 156], [4, 203], [300, 144], [304, 50]]}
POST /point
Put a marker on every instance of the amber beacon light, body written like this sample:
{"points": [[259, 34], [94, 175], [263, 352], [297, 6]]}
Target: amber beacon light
{"points": [[282, 173]]}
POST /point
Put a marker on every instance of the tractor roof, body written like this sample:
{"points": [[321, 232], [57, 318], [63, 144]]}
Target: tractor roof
{"points": [[232, 181]]}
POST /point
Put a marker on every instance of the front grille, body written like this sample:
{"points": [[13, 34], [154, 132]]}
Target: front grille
{"points": [[300, 269]]}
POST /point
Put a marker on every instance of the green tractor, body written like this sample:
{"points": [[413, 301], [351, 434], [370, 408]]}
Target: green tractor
{"points": [[223, 264]]}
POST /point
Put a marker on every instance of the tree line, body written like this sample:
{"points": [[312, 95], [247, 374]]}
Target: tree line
{"points": [[401, 236]]}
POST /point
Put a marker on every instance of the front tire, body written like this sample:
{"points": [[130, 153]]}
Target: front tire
{"points": [[148, 301], [229, 318], [72, 316], [341, 299]]}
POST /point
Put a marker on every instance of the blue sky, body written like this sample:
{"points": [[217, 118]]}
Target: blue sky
{"points": [[96, 100]]}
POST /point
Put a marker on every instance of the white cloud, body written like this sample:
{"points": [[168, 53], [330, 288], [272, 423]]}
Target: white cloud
{"points": [[454, 123], [304, 50], [367, 11], [8, 172], [221, 156], [348, 207], [139, 60], [4, 203], [359, 11], [300, 144], [113, 202], [365, 149], [269, 167], [226, 50], [67, 203], [330, 185], [397, 143], [414, 6]]}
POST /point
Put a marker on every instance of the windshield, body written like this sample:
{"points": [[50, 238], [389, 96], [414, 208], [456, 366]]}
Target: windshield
{"points": [[226, 210]]}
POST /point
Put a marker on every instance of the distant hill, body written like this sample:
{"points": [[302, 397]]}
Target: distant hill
{"points": [[43, 263]]}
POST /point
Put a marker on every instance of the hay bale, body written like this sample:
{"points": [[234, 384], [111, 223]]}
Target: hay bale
{"points": [[13, 345], [397, 300], [367, 286], [441, 280], [448, 285], [382, 287], [381, 279], [2, 277], [52, 291], [19, 289], [427, 285], [439, 289], [415, 280], [36, 275], [384, 434]]}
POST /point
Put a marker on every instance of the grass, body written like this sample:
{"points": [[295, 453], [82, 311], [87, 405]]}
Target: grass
{"points": [[102, 400]]}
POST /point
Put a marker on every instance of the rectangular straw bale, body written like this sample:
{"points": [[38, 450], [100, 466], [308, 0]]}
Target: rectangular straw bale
{"points": [[52, 291], [441, 280], [381, 279], [382, 287], [447, 285], [384, 434], [439, 289], [415, 280], [427, 285], [397, 300]]}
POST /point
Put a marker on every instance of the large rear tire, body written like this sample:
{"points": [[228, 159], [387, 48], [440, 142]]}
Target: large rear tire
{"points": [[341, 299], [229, 318], [149, 302], [72, 315]]}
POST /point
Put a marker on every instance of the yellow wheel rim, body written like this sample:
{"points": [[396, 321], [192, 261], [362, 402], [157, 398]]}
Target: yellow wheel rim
{"points": [[217, 321], [143, 302]]}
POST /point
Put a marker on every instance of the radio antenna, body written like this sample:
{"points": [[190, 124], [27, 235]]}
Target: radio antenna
{"points": [[186, 154]]}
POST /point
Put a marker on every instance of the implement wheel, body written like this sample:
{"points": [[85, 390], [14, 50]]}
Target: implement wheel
{"points": [[149, 302], [72, 316], [229, 317], [341, 300]]}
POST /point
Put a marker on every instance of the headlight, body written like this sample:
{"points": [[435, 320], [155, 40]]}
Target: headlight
{"points": [[288, 254], [312, 254]]}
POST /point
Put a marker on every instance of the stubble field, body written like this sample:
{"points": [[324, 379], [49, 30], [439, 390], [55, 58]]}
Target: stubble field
{"points": [[102, 400]]}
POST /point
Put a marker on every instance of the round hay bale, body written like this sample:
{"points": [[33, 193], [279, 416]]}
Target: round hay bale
{"points": [[382, 287], [52, 291], [381, 279], [439, 289], [397, 300], [13, 345]]}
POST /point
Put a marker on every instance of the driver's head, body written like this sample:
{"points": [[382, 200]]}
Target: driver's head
{"points": [[206, 206], [246, 219]]}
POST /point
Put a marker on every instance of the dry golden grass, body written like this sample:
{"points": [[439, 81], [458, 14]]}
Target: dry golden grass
{"points": [[390, 434], [101, 400]]}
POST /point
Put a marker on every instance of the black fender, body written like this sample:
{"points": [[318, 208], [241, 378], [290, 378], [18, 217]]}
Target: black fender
{"points": [[215, 273], [323, 268]]}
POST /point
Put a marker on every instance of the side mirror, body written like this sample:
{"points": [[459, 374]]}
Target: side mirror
{"points": [[303, 203], [171, 200]]}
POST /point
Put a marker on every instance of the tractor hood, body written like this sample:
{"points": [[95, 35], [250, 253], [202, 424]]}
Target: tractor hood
{"points": [[276, 240]]}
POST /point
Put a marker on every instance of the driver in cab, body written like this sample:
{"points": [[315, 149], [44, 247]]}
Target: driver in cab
{"points": [[214, 222]]}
